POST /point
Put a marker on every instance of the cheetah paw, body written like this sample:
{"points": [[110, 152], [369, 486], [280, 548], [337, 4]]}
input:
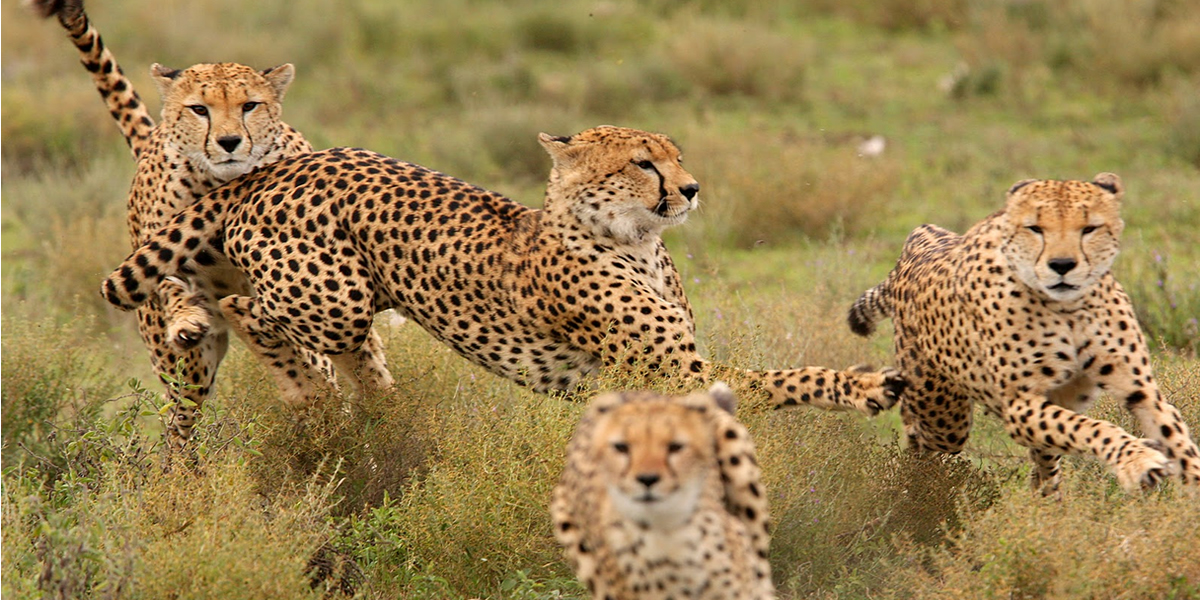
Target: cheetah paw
{"points": [[883, 389], [1142, 465], [187, 330]]}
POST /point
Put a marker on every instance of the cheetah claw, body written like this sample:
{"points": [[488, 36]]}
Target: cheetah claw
{"points": [[886, 391], [188, 333], [892, 386], [1143, 466]]}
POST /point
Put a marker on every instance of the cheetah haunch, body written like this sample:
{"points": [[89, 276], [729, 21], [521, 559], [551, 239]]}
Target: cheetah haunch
{"points": [[542, 297], [1022, 315], [219, 121], [661, 498]]}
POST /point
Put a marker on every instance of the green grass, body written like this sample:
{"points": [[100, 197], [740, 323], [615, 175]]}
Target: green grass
{"points": [[439, 488]]}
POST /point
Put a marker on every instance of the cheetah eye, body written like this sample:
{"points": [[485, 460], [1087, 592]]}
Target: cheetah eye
{"points": [[249, 106], [644, 164], [621, 447], [199, 109], [1035, 229], [1089, 229], [674, 447]]}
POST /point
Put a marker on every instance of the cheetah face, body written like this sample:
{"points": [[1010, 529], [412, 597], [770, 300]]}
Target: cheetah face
{"points": [[625, 185], [223, 117], [1063, 235], [655, 458]]}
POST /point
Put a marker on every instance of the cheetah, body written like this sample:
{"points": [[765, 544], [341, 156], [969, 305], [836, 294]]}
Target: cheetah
{"points": [[219, 121], [543, 297], [1023, 315], [661, 498]]}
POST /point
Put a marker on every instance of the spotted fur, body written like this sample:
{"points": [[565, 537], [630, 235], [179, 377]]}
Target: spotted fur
{"points": [[219, 121], [661, 497], [542, 297], [1022, 315]]}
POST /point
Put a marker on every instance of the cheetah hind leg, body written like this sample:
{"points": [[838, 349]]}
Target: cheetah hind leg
{"points": [[365, 368], [302, 376], [189, 311], [1046, 476]]}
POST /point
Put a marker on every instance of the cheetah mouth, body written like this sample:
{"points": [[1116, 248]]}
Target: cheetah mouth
{"points": [[647, 498], [663, 210], [1063, 287], [662, 207]]}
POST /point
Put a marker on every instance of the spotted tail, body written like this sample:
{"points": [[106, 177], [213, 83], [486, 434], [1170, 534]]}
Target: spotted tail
{"points": [[193, 239], [871, 307], [124, 104]]}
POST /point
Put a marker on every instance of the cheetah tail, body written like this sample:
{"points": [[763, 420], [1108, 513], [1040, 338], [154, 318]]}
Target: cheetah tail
{"points": [[193, 239], [875, 304], [124, 104]]}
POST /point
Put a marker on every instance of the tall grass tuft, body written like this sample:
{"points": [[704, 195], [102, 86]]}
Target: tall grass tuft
{"points": [[1105, 45], [774, 188], [54, 382]]}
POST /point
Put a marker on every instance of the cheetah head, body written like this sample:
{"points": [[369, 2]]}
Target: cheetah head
{"points": [[224, 117], [1062, 236], [657, 455], [622, 184]]}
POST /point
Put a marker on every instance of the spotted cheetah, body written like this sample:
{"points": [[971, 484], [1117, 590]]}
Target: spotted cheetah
{"points": [[1022, 315], [542, 297], [219, 121], [661, 498]]}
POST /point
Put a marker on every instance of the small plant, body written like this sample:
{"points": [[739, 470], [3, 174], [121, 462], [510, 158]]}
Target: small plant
{"points": [[1167, 304]]}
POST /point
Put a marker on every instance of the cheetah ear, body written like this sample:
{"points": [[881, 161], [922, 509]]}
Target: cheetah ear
{"points": [[1018, 185], [280, 78], [723, 396], [164, 78], [1110, 182], [606, 402], [559, 147]]}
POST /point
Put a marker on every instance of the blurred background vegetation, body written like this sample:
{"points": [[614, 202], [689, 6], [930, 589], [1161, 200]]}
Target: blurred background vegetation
{"points": [[821, 131]]}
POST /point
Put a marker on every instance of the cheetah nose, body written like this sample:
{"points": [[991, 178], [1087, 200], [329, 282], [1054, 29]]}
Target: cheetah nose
{"points": [[648, 479], [229, 142], [689, 191], [1062, 266]]}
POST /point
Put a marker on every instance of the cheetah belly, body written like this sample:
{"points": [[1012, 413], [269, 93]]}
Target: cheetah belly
{"points": [[227, 279]]}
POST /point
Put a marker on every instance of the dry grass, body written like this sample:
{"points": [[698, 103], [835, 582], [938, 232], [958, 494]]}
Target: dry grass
{"points": [[439, 488]]}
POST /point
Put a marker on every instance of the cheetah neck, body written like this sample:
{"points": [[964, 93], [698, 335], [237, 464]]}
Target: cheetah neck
{"points": [[583, 227]]}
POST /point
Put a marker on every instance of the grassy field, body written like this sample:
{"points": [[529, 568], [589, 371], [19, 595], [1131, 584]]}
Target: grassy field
{"points": [[440, 488]]}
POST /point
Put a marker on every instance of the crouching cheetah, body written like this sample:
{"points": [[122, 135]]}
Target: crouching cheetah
{"points": [[219, 121], [542, 297], [661, 498], [1022, 315]]}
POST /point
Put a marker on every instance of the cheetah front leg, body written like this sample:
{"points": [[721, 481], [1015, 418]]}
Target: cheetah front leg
{"points": [[936, 415], [302, 376], [1075, 395], [1038, 424], [187, 373], [1136, 389], [189, 309], [857, 389]]}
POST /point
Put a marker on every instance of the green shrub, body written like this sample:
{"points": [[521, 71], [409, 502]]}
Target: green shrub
{"points": [[724, 59], [54, 381]]}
